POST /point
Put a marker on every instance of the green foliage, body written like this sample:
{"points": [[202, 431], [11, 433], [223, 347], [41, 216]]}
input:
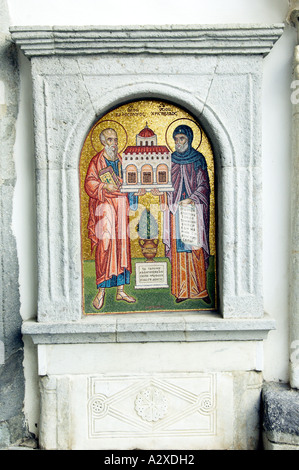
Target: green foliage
{"points": [[147, 227]]}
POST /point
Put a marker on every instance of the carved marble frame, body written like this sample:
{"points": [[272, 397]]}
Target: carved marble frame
{"points": [[103, 67]]}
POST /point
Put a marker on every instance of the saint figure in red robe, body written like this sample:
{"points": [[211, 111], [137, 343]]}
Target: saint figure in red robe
{"points": [[109, 221]]}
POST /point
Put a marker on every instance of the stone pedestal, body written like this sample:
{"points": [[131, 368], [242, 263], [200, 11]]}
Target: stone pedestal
{"points": [[280, 417], [159, 396], [150, 381]]}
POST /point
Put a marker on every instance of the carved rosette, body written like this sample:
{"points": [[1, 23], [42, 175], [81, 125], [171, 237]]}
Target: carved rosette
{"points": [[206, 404], [151, 404], [98, 406]]}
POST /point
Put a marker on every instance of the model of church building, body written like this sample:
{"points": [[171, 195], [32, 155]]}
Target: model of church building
{"points": [[146, 165]]}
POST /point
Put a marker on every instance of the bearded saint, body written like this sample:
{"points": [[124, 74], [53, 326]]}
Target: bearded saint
{"points": [[190, 180], [108, 222]]}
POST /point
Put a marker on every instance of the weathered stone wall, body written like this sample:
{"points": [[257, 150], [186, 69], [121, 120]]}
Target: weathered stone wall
{"points": [[12, 423]]}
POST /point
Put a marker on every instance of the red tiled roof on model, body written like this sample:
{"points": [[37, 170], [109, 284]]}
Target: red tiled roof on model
{"points": [[146, 149], [146, 132]]}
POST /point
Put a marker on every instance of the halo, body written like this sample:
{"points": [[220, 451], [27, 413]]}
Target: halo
{"points": [[108, 123], [197, 136]]}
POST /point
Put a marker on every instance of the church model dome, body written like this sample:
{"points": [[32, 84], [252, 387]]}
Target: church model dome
{"points": [[146, 137], [146, 132]]}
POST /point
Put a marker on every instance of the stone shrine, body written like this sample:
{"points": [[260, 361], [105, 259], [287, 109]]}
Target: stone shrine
{"points": [[181, 379]]}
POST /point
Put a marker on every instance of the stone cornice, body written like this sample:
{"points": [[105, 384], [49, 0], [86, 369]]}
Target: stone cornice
{"points": [[175, 39], [186, 327]]}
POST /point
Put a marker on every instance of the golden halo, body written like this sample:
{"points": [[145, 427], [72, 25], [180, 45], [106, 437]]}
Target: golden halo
{"points": [[197, 133], [105, 124]]}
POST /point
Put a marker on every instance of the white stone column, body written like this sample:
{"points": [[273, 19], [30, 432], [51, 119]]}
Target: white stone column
{"points": [[294, 239]]}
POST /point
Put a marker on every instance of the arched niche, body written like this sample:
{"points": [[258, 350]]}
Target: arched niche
{"points": [[189, 275]]}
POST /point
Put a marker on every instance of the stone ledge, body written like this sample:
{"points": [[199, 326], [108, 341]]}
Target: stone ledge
{"points": [[280, 417], [165, 327], [167, 39]]}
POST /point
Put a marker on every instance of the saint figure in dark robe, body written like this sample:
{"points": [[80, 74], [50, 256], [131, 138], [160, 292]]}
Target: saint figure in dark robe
{"points": [[190, 180]]}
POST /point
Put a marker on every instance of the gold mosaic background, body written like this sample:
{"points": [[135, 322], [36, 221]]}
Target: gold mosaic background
{"points": [[128, 120]]}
